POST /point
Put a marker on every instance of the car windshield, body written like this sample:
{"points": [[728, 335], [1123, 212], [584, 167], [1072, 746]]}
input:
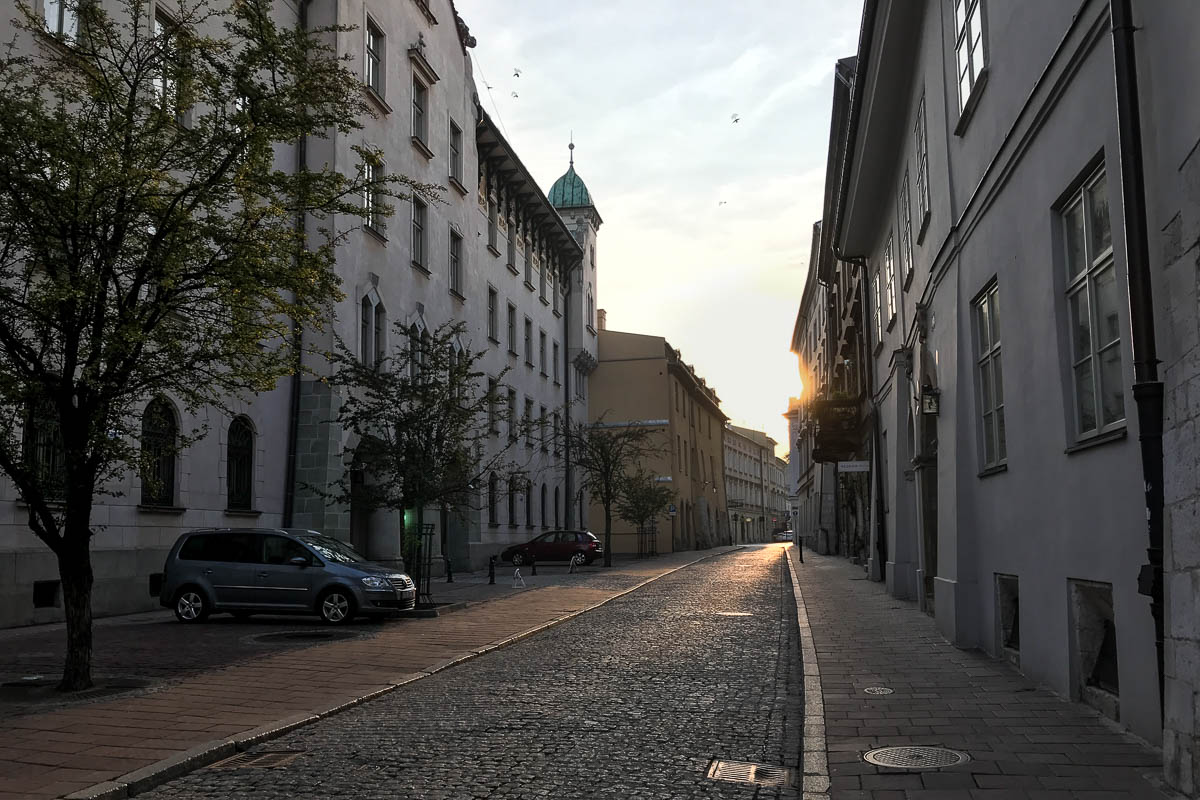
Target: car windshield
{"points": [[334, 550]]}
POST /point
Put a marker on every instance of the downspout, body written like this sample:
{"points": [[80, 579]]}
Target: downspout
{"points": [[289, 486], [1147, 388], [568, 479]]}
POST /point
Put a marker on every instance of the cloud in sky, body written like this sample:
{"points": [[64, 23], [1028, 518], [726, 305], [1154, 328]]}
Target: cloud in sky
{"points": [[707, 222]]}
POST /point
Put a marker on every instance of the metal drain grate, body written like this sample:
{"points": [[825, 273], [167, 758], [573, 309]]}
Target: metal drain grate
{"points": [[878, 690], [268, 760], [915, 758], [748, 772]]}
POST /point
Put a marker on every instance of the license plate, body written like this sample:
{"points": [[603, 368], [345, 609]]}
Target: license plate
{"points": [[407, 594]]}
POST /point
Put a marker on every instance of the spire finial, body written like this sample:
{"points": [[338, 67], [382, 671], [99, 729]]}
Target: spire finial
{"points": [[571, 148]]}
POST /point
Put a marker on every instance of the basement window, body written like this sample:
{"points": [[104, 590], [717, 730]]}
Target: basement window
{"points": [[1008, 617], [1094, 651]]}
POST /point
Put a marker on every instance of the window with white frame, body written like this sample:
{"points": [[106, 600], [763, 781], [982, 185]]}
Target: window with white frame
{"points": [[528, 257], [542, 352], [968, 46], [372, 332], [512, 245], [543, 434], [554, 363], [528, 342], [986, 312], [906, 239], [512, 329], [373, 196], [61, 18], [876, 300], [373, 69], [166, 78], [456, 152], [889, 274], [420, 101], [493, 331], [418, 232], [542, 280], [492, 227], [455, 265], [922, 140], [493, 400], [1093, 303]]}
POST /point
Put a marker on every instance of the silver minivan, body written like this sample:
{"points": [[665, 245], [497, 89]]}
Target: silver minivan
{"points": [[277, 571]]}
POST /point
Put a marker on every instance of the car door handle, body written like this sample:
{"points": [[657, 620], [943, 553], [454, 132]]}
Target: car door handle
{"points": [[208, 572], [264, 574]]}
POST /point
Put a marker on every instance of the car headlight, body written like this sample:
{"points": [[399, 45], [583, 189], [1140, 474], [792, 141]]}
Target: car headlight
{"points": [[373, 582]]}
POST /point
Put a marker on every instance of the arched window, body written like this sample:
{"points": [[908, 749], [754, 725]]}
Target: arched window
{"points": [[372, 332], [493, 489], [380, 338], [365, 329], [160, 444], [529, 504], [591, 308], [239, 464], [415, 357], [543, 505], [557, 517]]}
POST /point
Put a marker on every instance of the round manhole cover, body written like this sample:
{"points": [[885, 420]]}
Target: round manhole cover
{"points": [[915, 757], [300, 637], [878, 690]]}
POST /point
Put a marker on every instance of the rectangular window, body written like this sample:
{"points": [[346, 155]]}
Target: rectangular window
{"points": [[968, 47], [492, 323], [986, 311], [528, 259], [528, 420], [373, 72], [554, 292], [542, 281], [512, 245], [61, 18], [889, 272], [554, 365], [543, 434], [456, 263], [512, 415], [1093, 304], [418, 233], [876, 299], [922, 166], [542, 352], [456, 152], [493, 399], [372, 196], [491, 209], [420, 99], [166, 79], [906, 243], [528, 342], [512, 329], [557, 427]]}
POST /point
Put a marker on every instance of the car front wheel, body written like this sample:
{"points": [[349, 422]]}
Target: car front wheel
{"points": [[336, 607], [518, 559], [190, 605]]}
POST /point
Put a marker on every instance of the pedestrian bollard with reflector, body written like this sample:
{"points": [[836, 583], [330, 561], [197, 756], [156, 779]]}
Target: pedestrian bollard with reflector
{"points": [[491, 569], [517, 579]]}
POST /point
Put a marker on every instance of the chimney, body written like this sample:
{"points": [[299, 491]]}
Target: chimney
{"points": [[602, 319]]}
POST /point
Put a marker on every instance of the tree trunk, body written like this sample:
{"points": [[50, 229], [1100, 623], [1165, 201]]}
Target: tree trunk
{"points": [[75, 571], [608, 534]]}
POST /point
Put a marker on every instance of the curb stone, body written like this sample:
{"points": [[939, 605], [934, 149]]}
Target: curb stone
{"points": [[815, 782], [158, 773]]}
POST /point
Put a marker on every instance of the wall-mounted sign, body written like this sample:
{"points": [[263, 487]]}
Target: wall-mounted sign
{"points": [[854, 466]]}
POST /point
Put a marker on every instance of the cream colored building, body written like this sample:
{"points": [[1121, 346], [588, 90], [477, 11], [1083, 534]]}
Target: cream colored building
{"points": [[641, 380], [753, 485]]}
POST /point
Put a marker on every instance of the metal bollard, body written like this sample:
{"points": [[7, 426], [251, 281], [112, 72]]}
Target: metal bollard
{"points": [[492, 570], [449, 571], [532, 565]]}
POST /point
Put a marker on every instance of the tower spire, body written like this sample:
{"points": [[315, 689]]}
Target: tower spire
{"points": [[571, 148]]}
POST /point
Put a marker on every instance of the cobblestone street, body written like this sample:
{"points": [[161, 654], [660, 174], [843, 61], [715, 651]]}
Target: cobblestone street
{"points": [[632, 700]]}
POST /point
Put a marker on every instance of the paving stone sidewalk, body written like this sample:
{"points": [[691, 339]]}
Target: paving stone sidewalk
{"points": [[1025, 742], [132, 739]]}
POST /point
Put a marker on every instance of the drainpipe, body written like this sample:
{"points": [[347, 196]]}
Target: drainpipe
{"points": [[568, 476], [289, 485], [1147, 388]]}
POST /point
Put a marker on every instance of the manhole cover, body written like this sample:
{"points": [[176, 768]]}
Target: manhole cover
{"points": [[915, 758], [878, 690], [286, 637], [268, 760], [748, 772]]}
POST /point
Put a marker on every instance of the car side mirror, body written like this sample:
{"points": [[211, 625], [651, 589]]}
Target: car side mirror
{"points": [[298, 561]]}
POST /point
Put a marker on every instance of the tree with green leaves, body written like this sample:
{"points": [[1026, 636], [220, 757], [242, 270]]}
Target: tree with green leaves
{"points": [[605, 454], [160, 236], [641, 499], [427, 424]]}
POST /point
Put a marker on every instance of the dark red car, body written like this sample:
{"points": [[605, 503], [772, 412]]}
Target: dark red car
{"points": [[579, 546]]}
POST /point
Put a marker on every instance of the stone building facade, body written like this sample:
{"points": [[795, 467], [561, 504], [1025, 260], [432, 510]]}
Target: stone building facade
{"points": [[752, 484], [519, 270], [978, 201], [641, 380]]}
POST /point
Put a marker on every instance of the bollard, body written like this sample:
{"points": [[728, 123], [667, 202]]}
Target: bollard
{"points": [[449, 572], [532, 565], [491, 569]]}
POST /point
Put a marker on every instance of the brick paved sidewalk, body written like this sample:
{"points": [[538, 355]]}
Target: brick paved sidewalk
{"points": [[134, 741], [1025, 743]]}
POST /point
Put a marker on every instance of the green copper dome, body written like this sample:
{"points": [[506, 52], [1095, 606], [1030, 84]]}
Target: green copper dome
{"points": [[569, 190]]}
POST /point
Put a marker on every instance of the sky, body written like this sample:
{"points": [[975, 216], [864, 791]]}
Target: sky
{"points": [[707, 221]]}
